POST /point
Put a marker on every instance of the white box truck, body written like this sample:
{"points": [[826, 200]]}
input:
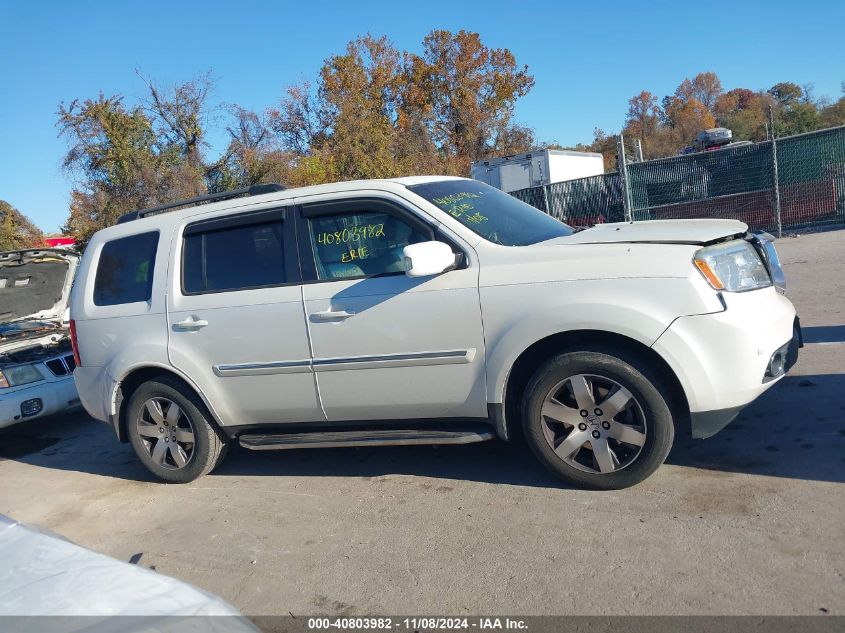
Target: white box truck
{"points": [[532, 169]]}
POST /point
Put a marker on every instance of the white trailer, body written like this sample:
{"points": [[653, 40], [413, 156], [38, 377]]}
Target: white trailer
{"points": [[532, 169]]}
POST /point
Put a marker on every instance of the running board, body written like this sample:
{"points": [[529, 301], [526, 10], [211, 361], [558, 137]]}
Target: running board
{"points": [[375, 437]]}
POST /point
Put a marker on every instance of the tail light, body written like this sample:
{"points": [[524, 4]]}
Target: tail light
{"points": [[74, 343]]}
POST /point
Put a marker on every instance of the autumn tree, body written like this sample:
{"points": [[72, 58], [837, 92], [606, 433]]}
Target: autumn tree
{"points": [[786, 93], [604, 144], [699, 103], [745, 113], [470, 91], [112, 159], [377, 112], [833, 114], [254, 154], [359, 92], [797, 119], [179, 116], [347, 126], [683, 118], [643, 118], [372, 112], [299, 121], [795, 109], [704, 88], [734, 100], [301, 125], [689, 110], [688, 118], [127, 157], [16, 230]]}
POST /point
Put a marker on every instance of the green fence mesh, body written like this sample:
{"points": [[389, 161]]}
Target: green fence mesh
{"points": [[581, 202], [811, 178], [535, 196], [736, 182]]}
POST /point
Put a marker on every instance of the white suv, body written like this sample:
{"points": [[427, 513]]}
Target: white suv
{"points": [[422, 310]]}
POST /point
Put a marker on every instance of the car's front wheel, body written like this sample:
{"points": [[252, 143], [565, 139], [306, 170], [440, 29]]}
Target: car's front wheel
{"points": [[598, 418], [171, 432]]}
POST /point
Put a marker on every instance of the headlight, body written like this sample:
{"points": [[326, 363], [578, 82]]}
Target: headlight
{"points": [[20, 375], [733, 266]]}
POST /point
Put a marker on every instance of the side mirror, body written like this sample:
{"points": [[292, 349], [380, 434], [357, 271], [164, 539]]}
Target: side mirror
{"points": [[428, 258]]}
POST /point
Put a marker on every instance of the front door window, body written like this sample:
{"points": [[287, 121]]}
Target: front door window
{"points": [[360, 244]]}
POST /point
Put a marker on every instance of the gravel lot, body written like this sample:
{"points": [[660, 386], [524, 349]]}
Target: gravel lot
{"points": [[748, 522]]}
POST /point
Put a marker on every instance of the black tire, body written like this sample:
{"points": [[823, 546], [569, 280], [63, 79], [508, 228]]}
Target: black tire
{"points": [[626, 369], [209, 445]]}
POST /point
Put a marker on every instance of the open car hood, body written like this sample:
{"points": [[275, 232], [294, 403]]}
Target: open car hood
{"points": [[35, 284], [657, 232]]}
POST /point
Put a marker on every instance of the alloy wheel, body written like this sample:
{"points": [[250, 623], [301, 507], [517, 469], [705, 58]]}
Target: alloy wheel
{"points": [[593, 423], [166, 432]]}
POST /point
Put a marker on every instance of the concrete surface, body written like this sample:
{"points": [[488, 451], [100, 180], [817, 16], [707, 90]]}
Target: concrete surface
{"points": [[749, 522]]}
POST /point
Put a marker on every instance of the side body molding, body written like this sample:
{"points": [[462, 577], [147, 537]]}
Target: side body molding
{"points": [[415, 359]]}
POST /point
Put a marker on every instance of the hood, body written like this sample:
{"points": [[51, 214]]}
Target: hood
{"points": [[35, 286], [657, 232]]}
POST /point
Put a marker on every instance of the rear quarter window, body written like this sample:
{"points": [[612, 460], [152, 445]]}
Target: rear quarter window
{"points": [[125, 270]]}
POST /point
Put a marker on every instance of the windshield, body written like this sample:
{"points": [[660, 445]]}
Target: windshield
{"points": [[491, 213]]}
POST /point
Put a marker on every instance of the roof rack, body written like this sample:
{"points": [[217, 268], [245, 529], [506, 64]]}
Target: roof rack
{"points": [[254, 190]]}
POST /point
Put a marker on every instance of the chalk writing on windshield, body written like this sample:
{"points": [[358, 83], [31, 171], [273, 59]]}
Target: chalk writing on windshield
{"points": [[351, 234], [356, 253], [459, 205]]}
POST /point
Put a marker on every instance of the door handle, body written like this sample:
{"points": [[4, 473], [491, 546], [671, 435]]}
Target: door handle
{"points": [[331, 315], [190, 325]]}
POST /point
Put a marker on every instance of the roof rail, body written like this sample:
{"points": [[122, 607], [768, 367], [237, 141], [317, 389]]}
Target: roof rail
{"points": [[254, 190]]}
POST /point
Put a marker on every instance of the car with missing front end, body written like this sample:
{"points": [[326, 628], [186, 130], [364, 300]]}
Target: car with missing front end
{"points": [[36, 359], [422, 310]]}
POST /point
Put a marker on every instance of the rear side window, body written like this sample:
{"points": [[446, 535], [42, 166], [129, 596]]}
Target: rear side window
{"points": [[125, 270], [233, 258]]}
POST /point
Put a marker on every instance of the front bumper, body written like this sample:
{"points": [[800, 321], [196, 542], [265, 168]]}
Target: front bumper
{"points": [[55, 396], [707, 423], [722, 359]]}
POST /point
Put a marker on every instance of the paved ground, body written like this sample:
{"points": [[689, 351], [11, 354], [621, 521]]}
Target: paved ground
{"points": [[749, 522]]}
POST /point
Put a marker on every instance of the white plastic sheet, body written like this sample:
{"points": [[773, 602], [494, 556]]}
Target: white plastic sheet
{"points": [[42, 574]]}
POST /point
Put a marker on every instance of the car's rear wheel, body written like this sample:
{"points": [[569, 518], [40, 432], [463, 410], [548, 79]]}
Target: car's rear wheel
{"points": [[598, 418], [171, 432]]}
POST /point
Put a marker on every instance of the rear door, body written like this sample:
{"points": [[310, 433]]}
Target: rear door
{"points": [[235, 318]]}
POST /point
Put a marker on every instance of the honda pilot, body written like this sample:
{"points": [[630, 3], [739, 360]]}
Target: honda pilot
{"points": [[422, 310]]}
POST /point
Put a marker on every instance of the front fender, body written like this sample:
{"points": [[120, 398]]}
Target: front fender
{"points": [[516, 317]]}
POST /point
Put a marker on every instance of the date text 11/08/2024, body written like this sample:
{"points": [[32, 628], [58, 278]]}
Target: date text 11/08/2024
{"points": [[417, 623]]}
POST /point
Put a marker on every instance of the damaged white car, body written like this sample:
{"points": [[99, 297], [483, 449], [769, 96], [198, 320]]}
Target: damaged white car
{"points": [[36, 360]]}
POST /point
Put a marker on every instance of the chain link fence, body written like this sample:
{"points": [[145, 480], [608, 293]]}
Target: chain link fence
{"points": [[581, 202], [782, 184]]}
